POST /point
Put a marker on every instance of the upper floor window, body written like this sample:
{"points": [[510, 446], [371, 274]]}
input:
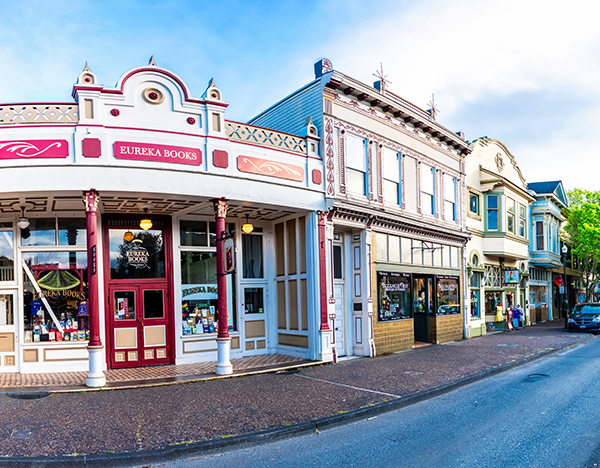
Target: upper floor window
{"points": [[510, 215], [492, 212], [522, 221], [474, 203], [54, 231], [450, 197], [391, 176], [539, 235], [427, 190], [356, 171]]}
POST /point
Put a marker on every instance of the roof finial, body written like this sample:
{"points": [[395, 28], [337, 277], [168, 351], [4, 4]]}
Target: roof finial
{"points": [[152, 62], [383, 82], [433, 111], [86, 67], [211, 83]]}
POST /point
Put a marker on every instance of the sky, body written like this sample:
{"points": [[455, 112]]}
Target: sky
{"points": [[524, 72]]}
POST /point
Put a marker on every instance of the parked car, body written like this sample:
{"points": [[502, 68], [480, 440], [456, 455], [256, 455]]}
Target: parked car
{"points": [[585, 317]]}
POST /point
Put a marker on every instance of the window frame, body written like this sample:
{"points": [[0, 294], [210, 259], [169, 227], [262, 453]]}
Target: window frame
{"points": [[350, 167], [488, 211]]}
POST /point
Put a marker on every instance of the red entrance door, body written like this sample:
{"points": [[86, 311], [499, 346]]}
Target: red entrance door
{"points": [[138, 293]]}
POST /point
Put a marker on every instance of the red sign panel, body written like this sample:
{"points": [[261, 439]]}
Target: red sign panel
{"points": [[228, 255], [559, 281], [24, 149], [157, 153], [270, 168]]}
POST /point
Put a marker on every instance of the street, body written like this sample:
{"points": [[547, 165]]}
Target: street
{"points": [[545, 414]]}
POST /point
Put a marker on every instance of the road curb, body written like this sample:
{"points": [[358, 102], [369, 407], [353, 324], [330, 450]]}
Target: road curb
{"points": [[223, 444]]}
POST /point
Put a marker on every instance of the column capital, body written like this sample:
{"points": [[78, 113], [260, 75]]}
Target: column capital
{"points": [[220, 207], [91, 199]]}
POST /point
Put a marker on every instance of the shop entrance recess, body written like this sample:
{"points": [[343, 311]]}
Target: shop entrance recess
{"points": [[422, 306], [339, 293], [8, 333], [138, 292]]}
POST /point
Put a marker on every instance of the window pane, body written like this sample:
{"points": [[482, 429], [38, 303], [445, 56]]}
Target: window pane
{"points": [[390, 165], [142, 257], [474, 203], [355, 152], [6, 310], [449, 189], [55, 293], [426, 203], [427, 179], [193, 233], [337, 262], [492, 201], [390, 192], [393, 301], [448, 295], [154, 303], [522, 228], [252, 255], [124, 305], [253, 300], [511, 223], [355, 181], [41, 231], [7, 264], [72, 231]]}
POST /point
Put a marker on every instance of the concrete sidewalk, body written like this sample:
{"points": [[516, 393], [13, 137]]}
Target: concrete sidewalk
{"points": [[161, 423]]}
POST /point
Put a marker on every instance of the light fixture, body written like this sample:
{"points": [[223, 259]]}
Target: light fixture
{"points": [[145, 223], [128, 236], [565, 249], [23, 222], [247, 226]]}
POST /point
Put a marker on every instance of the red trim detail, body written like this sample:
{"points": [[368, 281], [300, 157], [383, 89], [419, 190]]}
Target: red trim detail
{"points": [[270, 168], [39, 103], [220, 159], [34, 149], [323, 273], [316, 177], [91, 147]]}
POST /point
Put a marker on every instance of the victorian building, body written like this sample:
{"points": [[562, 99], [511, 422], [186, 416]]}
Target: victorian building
{"points": [[498, 219], [194, 233], [393, 234]]}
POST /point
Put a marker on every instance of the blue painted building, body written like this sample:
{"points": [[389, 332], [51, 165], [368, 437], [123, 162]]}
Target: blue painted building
{"points": [[545, 218]]}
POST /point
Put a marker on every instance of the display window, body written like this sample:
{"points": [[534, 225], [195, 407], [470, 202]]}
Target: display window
{"points": [[448, 298], [7, 263], [54, 231], [394, 296], [493, 300], [55, 296], [199, 301], [475, 294]]}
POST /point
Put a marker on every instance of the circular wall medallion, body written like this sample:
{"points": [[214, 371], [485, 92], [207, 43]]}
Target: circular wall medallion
{"points": [[153, 96], [191, 120], [115, 112]]}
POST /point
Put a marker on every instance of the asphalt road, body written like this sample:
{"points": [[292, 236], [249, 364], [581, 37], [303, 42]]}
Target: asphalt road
{"points": [[546, 414]]}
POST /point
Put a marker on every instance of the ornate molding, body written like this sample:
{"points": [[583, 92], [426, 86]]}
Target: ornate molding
{"points": [[220, 207], [91, 199], [329, 155]]}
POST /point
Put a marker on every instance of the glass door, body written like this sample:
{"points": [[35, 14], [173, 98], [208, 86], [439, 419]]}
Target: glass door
{"points": [[8, 333], [422, 306]]}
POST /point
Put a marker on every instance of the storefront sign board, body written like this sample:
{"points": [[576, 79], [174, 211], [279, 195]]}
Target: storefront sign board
{"points": [[228, 255], [511, 276], [33, 149], [157, 153], [270, 168]]}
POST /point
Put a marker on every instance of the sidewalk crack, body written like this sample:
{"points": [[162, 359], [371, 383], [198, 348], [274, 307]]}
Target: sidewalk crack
{"points": [[349, 386]]}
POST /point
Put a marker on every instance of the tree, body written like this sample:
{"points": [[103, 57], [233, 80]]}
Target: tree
{"points": [[582, 234]]}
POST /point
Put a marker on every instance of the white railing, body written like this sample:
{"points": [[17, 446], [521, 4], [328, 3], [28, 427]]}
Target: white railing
{"points": [[7, 273], [22, 114]]}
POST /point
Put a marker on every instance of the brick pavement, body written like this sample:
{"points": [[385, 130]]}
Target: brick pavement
{"points": [[192, 416]]}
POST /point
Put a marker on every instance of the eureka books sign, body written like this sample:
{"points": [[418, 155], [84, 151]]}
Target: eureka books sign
{"points": [[157, 153]]}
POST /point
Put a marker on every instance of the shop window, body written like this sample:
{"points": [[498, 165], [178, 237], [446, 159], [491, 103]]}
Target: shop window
{"points": [[510, 216], [448, 300], [473, 203], [450, 198], [193, 233], [522, 221], [199, 304], [493, 300], [140, 258], [356, 158], [539, 235], [394, 299], [55, 296], [492, 212], [7, 261], [475, 294], [7, 316], [391, 177], [72, 231], [427, 189], [253, 300]]}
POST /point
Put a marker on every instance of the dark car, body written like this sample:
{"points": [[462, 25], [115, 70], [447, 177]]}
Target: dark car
{"points": [[585, 317]]}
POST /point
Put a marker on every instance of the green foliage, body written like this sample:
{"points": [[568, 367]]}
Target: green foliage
{"points": [[582, 234]]}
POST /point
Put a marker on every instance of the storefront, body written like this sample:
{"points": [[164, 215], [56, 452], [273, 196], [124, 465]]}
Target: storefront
{"points": [[132, 271]]}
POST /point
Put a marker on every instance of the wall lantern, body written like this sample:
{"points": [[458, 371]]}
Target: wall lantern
{"points": [[145, 223], [23, 222], [128, 236], [247, 226]]}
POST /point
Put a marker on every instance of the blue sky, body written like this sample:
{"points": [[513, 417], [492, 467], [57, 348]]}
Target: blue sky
{"points": [[524, 72]]}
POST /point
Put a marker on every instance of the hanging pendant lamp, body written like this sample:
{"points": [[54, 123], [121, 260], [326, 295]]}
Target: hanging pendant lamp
{"points": [[146, 223], [23, 222], [247, 227]]}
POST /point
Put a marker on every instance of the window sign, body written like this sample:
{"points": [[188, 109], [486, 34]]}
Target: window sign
{"points": [[511, 276], [394, 299], [448, 295]]}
